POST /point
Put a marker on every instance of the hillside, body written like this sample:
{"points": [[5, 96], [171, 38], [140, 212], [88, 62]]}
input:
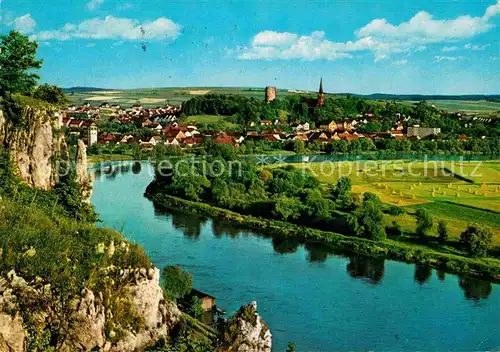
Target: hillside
{"points": [[64, 283], [151, 97]]}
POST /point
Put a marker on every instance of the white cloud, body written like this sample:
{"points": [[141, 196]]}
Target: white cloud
{"points": [[379, 36], [400, 62], [94, 4], [467, 46], [114, 28], [476, 47], [272, 38], [269, 45], [423, 28], [491, 11], [314, 47], [25, 24], [448, 58]]}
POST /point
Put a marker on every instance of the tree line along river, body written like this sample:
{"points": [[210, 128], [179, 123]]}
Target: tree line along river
{"points": [[321, 300]]}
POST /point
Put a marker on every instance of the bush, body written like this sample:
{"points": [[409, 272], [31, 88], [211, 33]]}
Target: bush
{"points": [[195, 309], [393, 210], [442, 231], [476, 241], [50, 94], [395, 229], [177, 283], [424, 222], [367, 221]]}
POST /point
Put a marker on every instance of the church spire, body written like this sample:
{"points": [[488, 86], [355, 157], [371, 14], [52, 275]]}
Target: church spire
{"points": [[321, 94]]}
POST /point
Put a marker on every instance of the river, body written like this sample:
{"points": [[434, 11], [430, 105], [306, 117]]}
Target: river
{"points": [[322, 301]]}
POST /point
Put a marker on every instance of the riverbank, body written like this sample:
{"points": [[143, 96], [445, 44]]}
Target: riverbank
{"points": [[292, 157], [486, 268]]}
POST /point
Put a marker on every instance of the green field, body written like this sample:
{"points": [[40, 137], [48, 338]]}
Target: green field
{"points": [[467, 106], [211, 120], [152, 97], [415, 184]]}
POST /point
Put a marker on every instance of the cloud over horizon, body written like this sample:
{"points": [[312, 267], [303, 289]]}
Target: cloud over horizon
{"points": [[378, 36], [113, 28]]}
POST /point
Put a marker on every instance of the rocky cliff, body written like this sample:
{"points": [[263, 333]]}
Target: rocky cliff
{"points": [[246, 331], [91, 325], [34, 144], [82, 176]]}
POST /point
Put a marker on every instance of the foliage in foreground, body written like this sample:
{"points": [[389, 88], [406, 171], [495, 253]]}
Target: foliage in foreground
{"points": [[177, 283], [17, 62], [44, 237]]}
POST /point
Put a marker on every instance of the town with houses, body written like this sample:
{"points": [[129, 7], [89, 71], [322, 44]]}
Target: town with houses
{"points": [[166, 126]]}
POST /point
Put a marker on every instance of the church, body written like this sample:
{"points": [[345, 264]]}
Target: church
{"points": [[321, 95], [319, 102]]}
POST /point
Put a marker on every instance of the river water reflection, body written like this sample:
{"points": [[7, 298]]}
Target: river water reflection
{"points": [[306, 293]]}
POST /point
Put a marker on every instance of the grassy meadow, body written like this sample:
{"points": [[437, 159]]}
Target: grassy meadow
{"points": [[152, 97], [471, 197], [211, 120], [467, 106]]}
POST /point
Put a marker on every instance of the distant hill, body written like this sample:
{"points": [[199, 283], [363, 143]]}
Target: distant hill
{"points": [[375, 96], [418, 97], [84, 89]]}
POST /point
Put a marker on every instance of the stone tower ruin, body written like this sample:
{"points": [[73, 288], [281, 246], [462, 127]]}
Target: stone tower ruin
{"points": [[270, 94]]}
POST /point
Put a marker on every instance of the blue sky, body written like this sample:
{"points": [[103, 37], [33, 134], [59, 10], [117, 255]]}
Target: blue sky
{"points": [[389, 46]]}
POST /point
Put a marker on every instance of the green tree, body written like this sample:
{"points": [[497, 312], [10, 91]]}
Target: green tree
{"points": [[288, 208], [342, 190], [51, 94], [424, 222], [195, 309], [395, 229], [17, 62], [177, 283], [317, 206], [367, 221], [476, 241], [137, 151], [299, 146], [442, 231], [295, 145], [224, 151]]}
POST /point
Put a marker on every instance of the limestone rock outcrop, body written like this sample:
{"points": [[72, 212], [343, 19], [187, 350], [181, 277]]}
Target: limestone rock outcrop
{"points": [[246, 331], [34, 144], [82, 176], [89, 328], [12, 333]]}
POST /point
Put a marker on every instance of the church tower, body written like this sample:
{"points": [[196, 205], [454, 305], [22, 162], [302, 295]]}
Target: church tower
{"points": [[321, 94]]}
